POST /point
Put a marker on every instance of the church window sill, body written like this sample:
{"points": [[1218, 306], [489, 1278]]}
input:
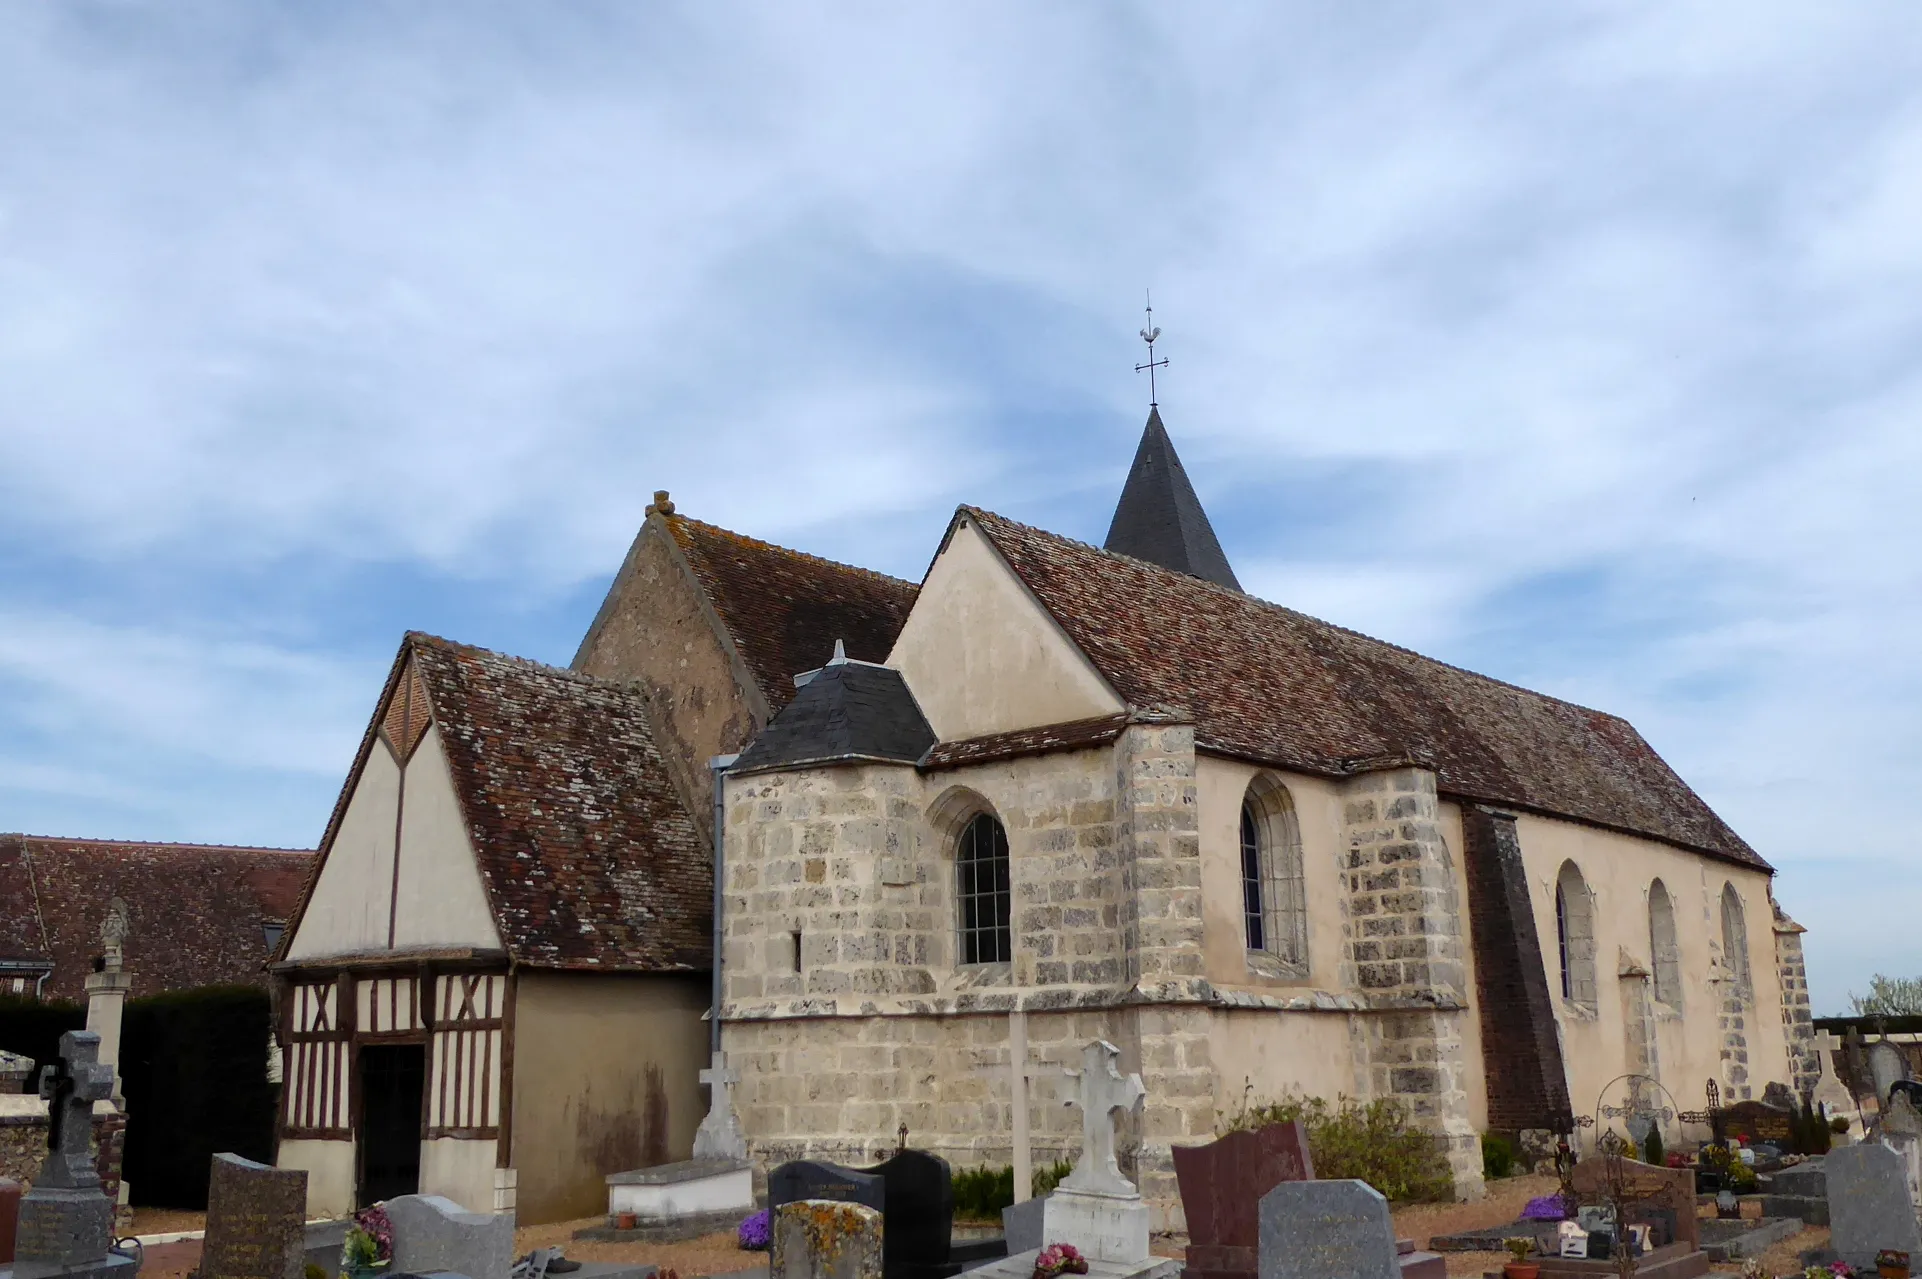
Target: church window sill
{"points": [[1262, 963]]}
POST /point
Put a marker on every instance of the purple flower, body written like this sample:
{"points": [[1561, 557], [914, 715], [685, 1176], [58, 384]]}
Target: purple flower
{"points": [[1546, 1208], [755, 1232]]}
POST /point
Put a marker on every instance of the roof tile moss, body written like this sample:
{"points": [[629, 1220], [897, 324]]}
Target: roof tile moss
{"points": [[786, 608], [1272, 685]]}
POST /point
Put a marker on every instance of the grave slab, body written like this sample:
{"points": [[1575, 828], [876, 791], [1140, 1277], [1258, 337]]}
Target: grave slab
{"points": [[433, 1233], [1021, 1225], [825, 1239], [677, 1201]]}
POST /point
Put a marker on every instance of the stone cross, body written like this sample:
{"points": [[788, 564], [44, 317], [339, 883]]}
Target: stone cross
{"points": [[70, 1086], [1103, 1091], [720, 1136]]}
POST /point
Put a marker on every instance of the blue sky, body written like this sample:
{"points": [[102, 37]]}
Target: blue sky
{"points": [[1576, 344]]}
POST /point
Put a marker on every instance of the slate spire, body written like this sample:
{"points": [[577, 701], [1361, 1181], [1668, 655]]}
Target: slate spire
{"points": [[1159, 518]]}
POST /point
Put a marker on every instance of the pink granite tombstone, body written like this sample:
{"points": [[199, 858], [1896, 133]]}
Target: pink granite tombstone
{"points": [[1221, 1188]]}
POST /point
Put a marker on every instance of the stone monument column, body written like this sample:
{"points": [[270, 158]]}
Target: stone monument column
{"points": [[107, 993]]}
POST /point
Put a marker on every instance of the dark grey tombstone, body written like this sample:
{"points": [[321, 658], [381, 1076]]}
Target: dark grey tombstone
{"points": [[256, 1221], [1315, 1229], [806, 1179], [1021, 1225], [1869, 1207], [66, 1221], [918, 1215]]}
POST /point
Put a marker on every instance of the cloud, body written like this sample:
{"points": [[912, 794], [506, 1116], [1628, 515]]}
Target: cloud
{"points": [[1573, 345]]}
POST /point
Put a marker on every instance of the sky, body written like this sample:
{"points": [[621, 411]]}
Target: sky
{"points": [[1574, 344]]}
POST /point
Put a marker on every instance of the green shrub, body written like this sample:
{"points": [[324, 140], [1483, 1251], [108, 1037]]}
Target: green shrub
{"points": [[981, 1193], [1374, 1141], [1498, 1156]]}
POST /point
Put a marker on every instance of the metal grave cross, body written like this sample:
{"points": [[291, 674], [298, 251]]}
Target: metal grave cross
{"points": [[1103, 1091]]}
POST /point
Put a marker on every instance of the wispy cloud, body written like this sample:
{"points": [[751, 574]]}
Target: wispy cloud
{"points": [[1574, 344]]}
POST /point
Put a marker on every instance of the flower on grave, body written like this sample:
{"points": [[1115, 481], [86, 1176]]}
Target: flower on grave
{"points": [[375, 1226], [1519, 1246], [1752, 1269], [1548, 1208], [756, 1232], [1059, 1259], [1893, 1258]]}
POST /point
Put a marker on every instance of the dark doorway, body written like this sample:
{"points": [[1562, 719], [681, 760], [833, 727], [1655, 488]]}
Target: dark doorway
{"points": [[392, 1077]]}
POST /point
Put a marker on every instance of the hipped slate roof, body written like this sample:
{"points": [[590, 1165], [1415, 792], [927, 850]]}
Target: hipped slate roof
{"points": [[786, 609], [196, 912], [1269, 684], [846, 711], [588, 857], [1159, 518]]}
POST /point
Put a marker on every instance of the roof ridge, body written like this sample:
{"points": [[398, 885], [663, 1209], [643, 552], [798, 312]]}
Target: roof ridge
{"points": [[155, 843], [765, 545], [444, 644], [1229, 592]]}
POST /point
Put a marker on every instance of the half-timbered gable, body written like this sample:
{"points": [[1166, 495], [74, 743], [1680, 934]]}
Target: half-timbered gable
{"points": [[508, 838]]}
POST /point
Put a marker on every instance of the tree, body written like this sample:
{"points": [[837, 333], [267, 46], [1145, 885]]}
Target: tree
{"points": [[1889, 997]]}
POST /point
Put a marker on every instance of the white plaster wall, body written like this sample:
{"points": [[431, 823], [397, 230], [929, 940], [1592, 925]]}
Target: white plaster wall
{"points": [[460, 1169], [330, 1174], [1262, 1057], [983, 656], [1220, 785], [1619, 869], [441, 899], [348, 909]]}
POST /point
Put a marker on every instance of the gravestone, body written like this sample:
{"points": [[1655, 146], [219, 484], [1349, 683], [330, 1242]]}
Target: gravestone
{"points": [[806, 1179], [1317, 1229], [1887, 1067], [10, 1192], [1095, 1208], [1021, 1225], [1757, 1122], [1221, 1188], [66, 1220], [1663, 1198], [256, 1221], [719, 1136], [1869, 1206], [917, 1205], [825, 1239], [432, 1233]]}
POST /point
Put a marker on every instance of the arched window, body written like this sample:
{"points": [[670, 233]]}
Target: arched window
{"points": [[1575, 931], [981, 868], [1664, 950], [1274, 898], [1735, 939]]}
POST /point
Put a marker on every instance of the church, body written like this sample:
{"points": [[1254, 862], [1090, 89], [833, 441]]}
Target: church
{"points": [[1049, 793]]}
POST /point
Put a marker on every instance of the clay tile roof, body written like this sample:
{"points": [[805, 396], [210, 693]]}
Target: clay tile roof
{"points": [[785, 609], [1070, 736], [587, 854], [1266, 683], [197, 913]]}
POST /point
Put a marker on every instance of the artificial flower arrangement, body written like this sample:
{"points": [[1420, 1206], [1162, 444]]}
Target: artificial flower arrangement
{"points": [[1834, 1270], [369, 1244], [1059, 1259], [1892, 1262]]}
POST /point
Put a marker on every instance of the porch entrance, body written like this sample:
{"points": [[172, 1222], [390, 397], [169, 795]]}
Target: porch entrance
{"points": [[393, 1078]]}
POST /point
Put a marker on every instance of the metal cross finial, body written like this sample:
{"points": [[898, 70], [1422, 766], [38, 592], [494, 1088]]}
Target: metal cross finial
{"points": [[1148, 335]]}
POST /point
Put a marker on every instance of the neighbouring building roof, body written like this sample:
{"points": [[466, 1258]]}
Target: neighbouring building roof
{"points": [[588, 857], [786, 609], [1159, 518], [198, 914], [1266, 683], [845, 711]]}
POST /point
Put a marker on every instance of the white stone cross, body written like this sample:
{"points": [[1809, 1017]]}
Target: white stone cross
{"points": [[720, 1136], [1103, 1091]]}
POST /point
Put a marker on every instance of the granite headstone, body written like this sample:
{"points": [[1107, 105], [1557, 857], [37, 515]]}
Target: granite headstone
{"points": [[1756, 1122], [256, 1221], [917, 1204], [1869, 1207], [1221, 1188], [805, 1179], [1317, 1229], [1021, 1224], [432, 1233], [825, 1239]]}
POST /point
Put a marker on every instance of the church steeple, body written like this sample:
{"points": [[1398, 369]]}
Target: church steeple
{"points": [[1159, 518]]}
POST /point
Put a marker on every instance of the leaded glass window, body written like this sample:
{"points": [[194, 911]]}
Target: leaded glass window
{"points": [[981, 867]]}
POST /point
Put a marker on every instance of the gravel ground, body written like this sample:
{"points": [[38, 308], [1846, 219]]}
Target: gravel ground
{"points": [[716, 1254]]}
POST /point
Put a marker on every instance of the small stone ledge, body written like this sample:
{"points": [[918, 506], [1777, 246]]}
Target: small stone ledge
{"points": [[1094, 998]]}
